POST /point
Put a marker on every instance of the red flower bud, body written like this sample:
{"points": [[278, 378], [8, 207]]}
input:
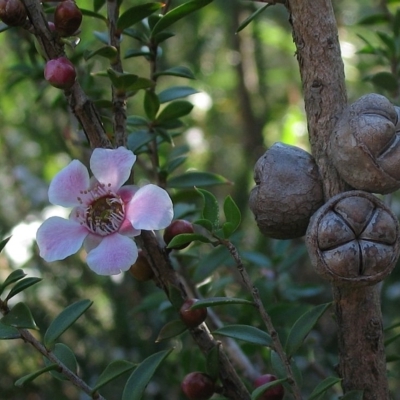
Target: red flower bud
{"points": [[60, 73], [67, 18]]}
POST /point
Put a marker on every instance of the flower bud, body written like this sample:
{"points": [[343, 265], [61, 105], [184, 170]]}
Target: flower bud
{"points": [[67, 18], [60, 73]]}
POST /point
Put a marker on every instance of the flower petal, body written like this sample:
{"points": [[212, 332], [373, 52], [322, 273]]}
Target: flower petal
{"points": [[58, 238], [114, 254], [66, 186], [112, 166], [150, 208]]}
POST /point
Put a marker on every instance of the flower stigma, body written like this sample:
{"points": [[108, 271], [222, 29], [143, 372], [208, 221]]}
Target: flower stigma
{"points": [[105, 212]]}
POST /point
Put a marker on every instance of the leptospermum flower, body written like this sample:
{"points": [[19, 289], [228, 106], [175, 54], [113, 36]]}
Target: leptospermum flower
{"points": [[105, 215]]}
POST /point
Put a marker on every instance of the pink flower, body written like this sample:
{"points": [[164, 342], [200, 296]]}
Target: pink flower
{"points": [[105, 215]]}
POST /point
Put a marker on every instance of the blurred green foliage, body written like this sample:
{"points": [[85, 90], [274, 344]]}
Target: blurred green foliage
{"points": [[249, 97]]}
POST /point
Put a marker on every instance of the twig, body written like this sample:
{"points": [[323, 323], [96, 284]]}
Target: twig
{"points": [[277, 345], [27, 337], [82, 107], [118, 96]]}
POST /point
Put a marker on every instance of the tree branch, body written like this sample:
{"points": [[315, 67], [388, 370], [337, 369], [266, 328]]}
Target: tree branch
{"points": [[361, 352]]}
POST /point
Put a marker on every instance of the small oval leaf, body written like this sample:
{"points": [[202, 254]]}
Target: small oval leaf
{"points": [[176, 92], [303, 326], [34, 375], [323, 386], [178, 13], [247, 333], [171, 329], [210, 210], [232, 215], [175, 110], [64, 320], [67, 357], [13, 277], [185, 238], [182, 72], [8, 332], [20, 317], [151, 104], [193, 178], [140, 377], [113, 370], [136, 14], [251, 17], [256, 394], [22, 285], [219, 301], [106, 51]]}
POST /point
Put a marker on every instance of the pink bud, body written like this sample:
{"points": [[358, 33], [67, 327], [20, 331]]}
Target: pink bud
{"points": [[60, 73]]}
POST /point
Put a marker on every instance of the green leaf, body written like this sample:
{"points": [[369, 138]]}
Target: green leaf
{"points": [[139, 379], [34, 375], [373, 19], [212, 362], [136, 14], [257, 393], [171, 329], [219, 301], [162, 37], [176, 92], [67, 357], [247, 333], [182, 72], [97, 4], [174, 110], [175, 296], [120, 80], [151, 104], [102, 36], [385, 80], [392, 339], [205, 223], [353, 395], [184, 238], [19, 317], [89, 13], [138, 84], [109, 52], [136, 53], [387, 41], [3, 244], [324, 386], [279, 368], [178, 13], [210, 210], [8, 332], [193, 178], [303, 326], [396, 23], [251, 17], [64, 320], [113, 370], [232, 215], [137, 120], [22, 285], [175, 163], [138, 139], [13, 277]]}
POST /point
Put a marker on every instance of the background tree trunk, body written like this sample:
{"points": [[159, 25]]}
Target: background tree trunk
{"points": [[362, 363]]}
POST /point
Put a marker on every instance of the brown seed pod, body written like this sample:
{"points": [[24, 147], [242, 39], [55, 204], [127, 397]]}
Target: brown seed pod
{"points": [[365, 145], [353, 239], [288, 191]]}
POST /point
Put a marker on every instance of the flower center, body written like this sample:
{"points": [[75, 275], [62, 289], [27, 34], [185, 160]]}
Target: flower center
{"points": [[105, 215]]}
